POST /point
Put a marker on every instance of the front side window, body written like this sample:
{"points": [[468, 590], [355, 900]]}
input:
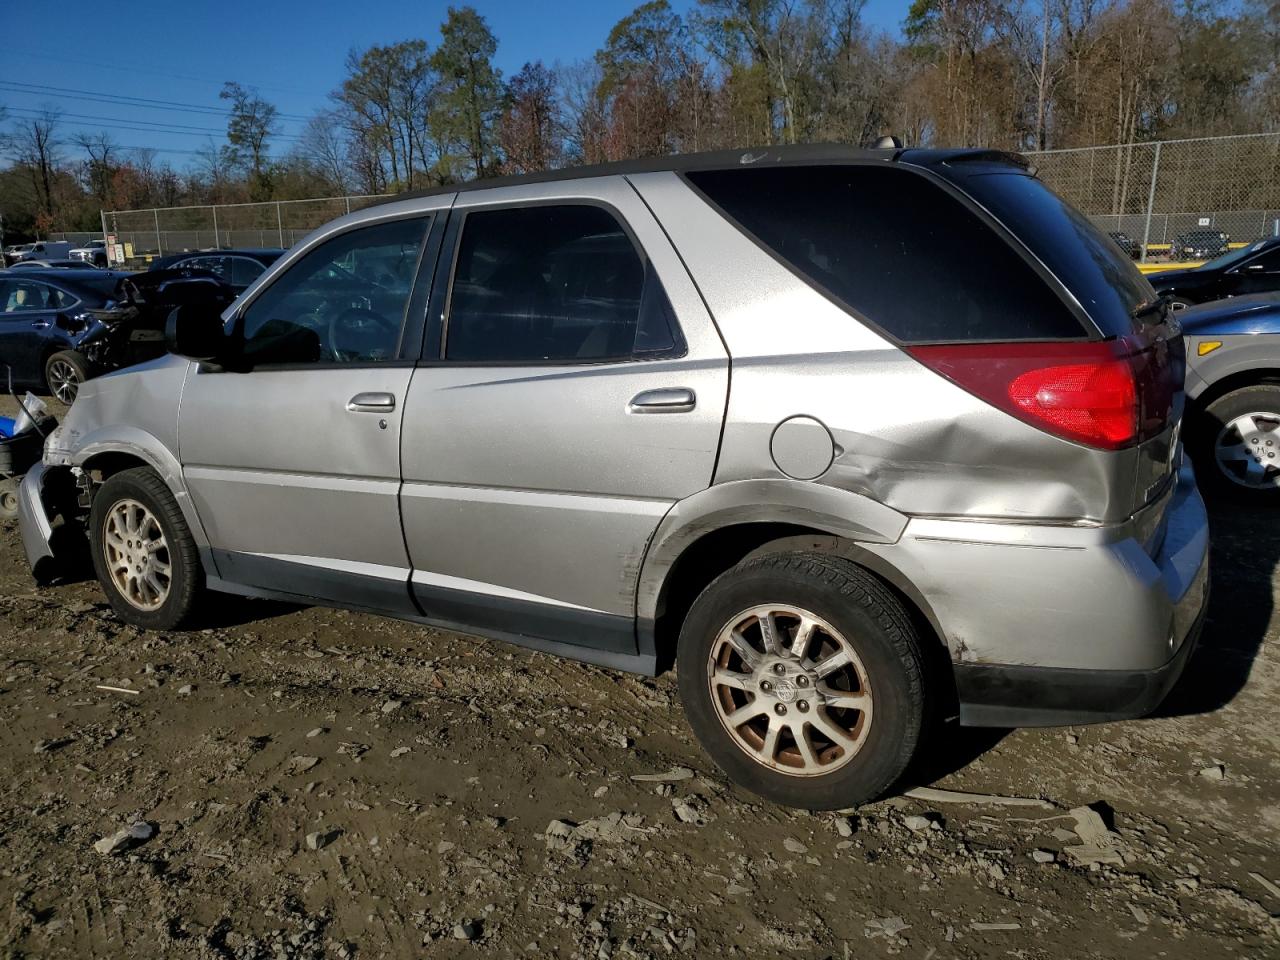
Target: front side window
{"points": [[554, 283], [343, 302]]}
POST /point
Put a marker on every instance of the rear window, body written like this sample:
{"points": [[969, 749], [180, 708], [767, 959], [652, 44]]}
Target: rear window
{"points": [[1088, 263], [895, 248]]}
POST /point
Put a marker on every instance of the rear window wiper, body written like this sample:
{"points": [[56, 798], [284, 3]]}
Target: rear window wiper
{"points": [[1147, 307]]}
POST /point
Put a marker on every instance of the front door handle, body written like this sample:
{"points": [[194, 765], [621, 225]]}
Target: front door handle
{"points": [[669, 400], [372, 403], [40, 324]]}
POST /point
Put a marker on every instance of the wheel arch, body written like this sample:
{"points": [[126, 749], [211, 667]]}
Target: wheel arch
{"points": [[109, 450], [709, 533], [1236, 380]]}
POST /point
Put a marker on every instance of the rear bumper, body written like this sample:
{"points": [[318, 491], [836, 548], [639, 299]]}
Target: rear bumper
{"points": [[1017, 696], [1053, 625]]}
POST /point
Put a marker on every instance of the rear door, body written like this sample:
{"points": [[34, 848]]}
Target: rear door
{"points": [[573, 388], [294, 466], [27, 323]]}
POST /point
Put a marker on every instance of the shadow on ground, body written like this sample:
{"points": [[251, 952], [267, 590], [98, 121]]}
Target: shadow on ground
{"points": [[1245, 550]]}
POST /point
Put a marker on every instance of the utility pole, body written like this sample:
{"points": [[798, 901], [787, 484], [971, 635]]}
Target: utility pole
{"points": [[2, 260]]}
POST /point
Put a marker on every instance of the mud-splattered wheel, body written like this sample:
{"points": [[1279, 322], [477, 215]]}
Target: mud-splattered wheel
{"points": [[801, 675], [143, 553], [790, 690]]}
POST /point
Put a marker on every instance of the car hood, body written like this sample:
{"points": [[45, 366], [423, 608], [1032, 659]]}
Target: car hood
{"points": [[1181, 279], [1258, 313]]}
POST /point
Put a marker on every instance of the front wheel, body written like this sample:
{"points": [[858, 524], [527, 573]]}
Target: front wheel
{"points": [[63, 374], [143, 553], [802, 677], [1236, 445]]}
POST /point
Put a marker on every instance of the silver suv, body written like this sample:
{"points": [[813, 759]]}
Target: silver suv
{"points": [[856, 439]]}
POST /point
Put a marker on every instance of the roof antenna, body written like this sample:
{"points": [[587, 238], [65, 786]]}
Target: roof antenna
{"points": [[888, 143]]}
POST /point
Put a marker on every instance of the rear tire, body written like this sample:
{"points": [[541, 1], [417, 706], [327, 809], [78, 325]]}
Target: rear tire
{"points": [[64, 371], [143, 553], [861, 721], [1236, 446]]}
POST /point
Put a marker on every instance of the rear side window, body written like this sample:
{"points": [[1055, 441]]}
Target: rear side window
{"points": [[895, 248], [554, 283], [1098, 274]]}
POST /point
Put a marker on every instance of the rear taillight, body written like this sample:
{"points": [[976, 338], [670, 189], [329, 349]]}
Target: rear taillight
{"points": [[1110, 394]]}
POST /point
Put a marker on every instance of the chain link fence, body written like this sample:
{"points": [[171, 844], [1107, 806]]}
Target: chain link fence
{"points": [[1157, 192], [1152, 192], [276, 223]]}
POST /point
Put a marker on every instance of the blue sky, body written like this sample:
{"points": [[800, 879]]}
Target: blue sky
{"points": [[291, 51]]}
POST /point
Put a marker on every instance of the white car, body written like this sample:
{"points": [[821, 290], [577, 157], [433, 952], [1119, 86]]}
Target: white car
{"points": [[95, 252]]}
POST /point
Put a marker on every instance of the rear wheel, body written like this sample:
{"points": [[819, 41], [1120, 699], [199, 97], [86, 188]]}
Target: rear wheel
{"points": [[1236, 447], [143, 553], [802, 677], [64, 372]]}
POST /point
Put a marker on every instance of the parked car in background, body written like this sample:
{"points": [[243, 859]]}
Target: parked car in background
{"points": [[43, 250], [1199, 245], [238, 268], [94, 252], [1251, 269], [1233, 393], [1126, 243], [507, 409], [54, 265], [58, 328], [13, 252]]}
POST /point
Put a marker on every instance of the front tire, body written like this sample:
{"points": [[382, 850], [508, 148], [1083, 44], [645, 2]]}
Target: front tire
{"points": [[143, 553], [64, 371], [802, 676], [1236, 446]]}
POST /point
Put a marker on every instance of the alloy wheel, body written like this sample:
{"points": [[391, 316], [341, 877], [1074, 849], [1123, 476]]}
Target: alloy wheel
{"points": [[790, 690], [64, 381], [137, 555], [1247, 450]]}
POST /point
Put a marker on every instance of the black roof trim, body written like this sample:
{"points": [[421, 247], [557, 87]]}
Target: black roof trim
{"points": [[791, 155]]}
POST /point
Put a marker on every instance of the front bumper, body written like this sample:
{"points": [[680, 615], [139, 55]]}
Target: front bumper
{"points": [[1052, 625], [34, 523]]}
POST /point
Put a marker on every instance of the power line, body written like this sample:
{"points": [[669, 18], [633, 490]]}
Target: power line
{"points": [[148, 70], [141, 126], [121, 100]]}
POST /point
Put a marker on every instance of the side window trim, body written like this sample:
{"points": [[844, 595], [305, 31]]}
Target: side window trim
{"points": [[442, 299]]}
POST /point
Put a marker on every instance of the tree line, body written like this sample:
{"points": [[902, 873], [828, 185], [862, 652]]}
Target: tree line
{"points": [[1012, 74]]}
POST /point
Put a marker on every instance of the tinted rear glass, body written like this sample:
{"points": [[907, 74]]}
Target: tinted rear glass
{"points": [[1088, 263], [896, 248]]}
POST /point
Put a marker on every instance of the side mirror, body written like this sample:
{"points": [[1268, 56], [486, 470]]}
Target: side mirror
{"points": [[194, 331]]}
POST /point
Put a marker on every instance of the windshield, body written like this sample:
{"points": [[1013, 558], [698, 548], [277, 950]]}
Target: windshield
{"points": [[1089, 263], [1234, 257]]}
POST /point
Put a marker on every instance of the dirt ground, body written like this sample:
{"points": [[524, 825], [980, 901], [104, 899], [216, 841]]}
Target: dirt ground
{"points": [[464, 798]]}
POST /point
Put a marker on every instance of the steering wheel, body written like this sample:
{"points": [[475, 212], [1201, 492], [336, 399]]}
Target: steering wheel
{"points": [[360, 322]]}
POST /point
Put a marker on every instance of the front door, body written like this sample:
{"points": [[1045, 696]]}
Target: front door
{"points": [[1259, 275], [576, 392], [294, 466]]}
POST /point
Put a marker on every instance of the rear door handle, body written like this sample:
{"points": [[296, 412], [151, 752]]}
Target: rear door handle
{"points": [[372, 403], [669, 400], [40, 324]]}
